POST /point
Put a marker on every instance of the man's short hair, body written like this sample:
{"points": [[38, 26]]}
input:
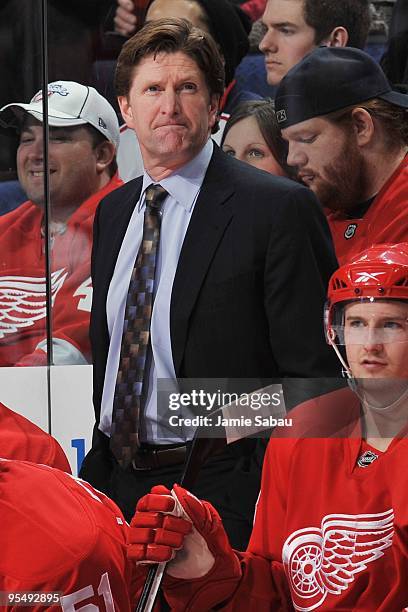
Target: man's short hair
{"points": [[171, 36], [325, 15]]}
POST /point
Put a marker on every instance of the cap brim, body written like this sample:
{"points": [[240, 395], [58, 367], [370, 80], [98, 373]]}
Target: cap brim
{"points": [[55, 118], [396, 98]]}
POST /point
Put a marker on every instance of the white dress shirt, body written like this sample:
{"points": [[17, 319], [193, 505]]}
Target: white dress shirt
{"points": [[183, 187]]}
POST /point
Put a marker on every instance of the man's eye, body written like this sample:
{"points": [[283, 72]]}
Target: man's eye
{"points": [[307, 140], [152, 88], [189, 86], [392, 325], [58, 138], [26, 139], [286, 31], [256, 153], [356, 324]]}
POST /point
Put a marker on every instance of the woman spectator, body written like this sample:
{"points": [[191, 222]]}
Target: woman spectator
{"points": [[252, 135]]}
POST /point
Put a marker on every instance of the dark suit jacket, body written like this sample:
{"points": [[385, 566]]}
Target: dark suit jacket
{"points": [[248, 295]]}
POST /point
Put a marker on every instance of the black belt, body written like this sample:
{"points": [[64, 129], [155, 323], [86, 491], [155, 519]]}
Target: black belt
{"points": [[153, 457]]}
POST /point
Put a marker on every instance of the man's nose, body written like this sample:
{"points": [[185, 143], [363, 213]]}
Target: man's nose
{"points": [[170, 103], [296, 157], [268, 43], [35, 148], [373, 340]]}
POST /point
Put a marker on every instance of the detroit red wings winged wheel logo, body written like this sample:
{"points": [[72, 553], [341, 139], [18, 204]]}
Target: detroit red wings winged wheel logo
{"points": [[23, 300], [322, 561]]}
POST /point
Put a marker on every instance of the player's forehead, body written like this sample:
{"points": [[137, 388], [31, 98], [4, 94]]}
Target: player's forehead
{"points": [[284, 12]]}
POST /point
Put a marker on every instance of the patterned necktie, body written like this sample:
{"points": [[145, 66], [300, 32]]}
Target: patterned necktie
{"points": [[124, 440]]}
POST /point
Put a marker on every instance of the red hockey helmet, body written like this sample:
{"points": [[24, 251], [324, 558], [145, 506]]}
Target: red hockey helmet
{"points": [[379, 273]]}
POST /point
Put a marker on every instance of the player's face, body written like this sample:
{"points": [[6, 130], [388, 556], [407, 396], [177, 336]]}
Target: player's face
{"points": [[183, 9], [170, 109], [245, 142], [328, 161], [376, 339], [288, 38], [72, 164]]}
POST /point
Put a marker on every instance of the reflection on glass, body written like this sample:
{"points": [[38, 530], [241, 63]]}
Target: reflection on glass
{"points": [[83, 136]]}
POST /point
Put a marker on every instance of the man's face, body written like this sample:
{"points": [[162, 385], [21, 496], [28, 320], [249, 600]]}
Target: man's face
{"points": [[72, 164], [170, 109], [376, 338], [288, 38], [328, 161]]}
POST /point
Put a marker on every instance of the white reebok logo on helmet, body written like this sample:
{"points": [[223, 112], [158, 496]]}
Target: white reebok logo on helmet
{"points": [[364, 277]]}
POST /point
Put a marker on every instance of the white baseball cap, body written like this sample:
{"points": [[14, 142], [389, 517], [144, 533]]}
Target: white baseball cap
{"points": [[70, 104]]}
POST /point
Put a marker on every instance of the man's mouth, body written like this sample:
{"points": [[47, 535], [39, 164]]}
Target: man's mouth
{"points": [[373, 364], [306, 177], [39, 173]]}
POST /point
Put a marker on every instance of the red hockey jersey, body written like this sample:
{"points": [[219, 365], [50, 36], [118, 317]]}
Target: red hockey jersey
{"points": [[328, 534], [58, 534], [21, 439], [23, 285], [385, 221]]}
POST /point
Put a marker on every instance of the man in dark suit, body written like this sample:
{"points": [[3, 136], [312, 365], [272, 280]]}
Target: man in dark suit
{"points": [[240, 277]]}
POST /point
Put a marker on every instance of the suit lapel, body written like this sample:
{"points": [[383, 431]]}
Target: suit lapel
{"points": [[118, 224], [212, 214]]}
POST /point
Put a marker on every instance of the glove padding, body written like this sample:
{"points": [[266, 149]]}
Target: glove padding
{"points": [[175, 526]]}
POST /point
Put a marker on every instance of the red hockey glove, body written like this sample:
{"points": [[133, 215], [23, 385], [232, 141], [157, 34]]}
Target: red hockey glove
{"points": [[177, 527]]}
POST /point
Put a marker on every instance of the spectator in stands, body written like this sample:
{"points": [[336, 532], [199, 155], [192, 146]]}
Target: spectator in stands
{"points": [[296, 27], [252, 135], [348, 140], [84, 134], [395, 60]]}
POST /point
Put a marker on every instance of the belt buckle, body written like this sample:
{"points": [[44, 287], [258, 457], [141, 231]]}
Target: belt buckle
{"points": [[139, 468]]}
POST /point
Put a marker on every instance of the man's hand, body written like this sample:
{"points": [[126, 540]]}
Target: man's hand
{"points": [[125, 20], [175, 526]]}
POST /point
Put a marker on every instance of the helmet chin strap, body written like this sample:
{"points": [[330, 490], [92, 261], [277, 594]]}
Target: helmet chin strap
{"points": [[353, 382]]}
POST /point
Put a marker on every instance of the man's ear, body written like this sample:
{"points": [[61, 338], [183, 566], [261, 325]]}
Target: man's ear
{"points": [[105, 152], [338, 37], [363, 126], [126, 110], [213, 109]]}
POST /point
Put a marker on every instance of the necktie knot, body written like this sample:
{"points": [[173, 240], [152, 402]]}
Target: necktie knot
{"points": [[155, 196]]}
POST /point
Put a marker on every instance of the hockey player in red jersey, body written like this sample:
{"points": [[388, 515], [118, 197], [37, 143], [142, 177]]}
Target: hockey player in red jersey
{"points": [[60, 537], [21, 439], [84, 134], [348, 140], [331, 526]]}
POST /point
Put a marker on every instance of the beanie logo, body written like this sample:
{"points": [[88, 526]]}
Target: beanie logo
{"points": [[350, 231], [281, 116], [101, 123]]}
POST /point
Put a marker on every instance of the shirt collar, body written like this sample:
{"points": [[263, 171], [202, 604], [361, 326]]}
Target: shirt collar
{"points": [[185, 183]]}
